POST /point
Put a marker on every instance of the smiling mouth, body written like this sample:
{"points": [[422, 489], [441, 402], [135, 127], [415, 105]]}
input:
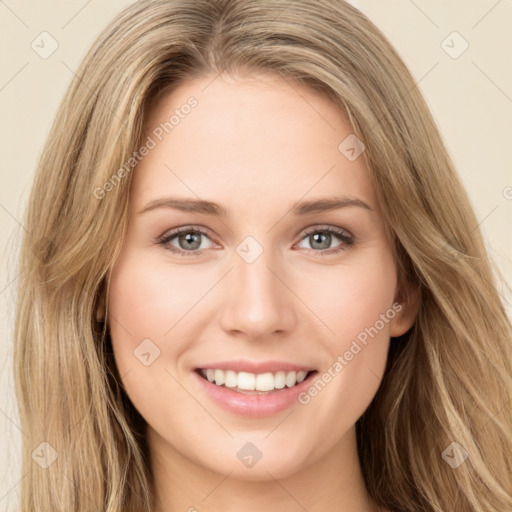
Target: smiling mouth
{"points": [[254, 383]]}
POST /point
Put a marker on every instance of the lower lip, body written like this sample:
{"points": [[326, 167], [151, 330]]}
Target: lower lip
{"points": [[254, 405]]}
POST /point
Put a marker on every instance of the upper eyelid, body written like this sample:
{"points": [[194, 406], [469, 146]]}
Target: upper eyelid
{"points": [[326, 227], [202, 229], [171, 233]]}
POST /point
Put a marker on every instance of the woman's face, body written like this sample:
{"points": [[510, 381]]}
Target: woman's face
{"points": [[269, 284]]}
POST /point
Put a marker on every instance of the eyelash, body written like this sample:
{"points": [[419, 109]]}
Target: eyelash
{"points": [[342, 235]]}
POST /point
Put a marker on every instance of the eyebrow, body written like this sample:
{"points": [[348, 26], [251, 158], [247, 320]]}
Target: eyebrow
{"points": [[210, 208]]}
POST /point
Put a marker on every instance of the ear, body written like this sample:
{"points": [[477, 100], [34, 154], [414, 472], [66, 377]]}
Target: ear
{"points": [[408, 296]]}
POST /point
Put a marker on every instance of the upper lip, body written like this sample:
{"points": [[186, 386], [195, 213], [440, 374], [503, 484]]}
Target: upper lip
{"points": [[256, 367]]}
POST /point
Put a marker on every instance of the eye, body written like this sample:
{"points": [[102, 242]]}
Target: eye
{"points": [[320, 239], [189, 240]]}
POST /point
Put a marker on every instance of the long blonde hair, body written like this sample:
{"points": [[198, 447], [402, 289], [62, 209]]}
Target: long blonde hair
{"points": [[448, 380]]}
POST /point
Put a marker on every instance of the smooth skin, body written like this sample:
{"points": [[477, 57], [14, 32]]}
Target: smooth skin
{"points": [[255, 145]]}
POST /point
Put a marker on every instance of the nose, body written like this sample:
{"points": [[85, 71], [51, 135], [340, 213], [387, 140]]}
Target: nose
{"points": [[259, 301]]}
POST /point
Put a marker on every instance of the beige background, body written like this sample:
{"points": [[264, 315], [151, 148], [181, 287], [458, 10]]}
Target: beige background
{"points": [[470, 97]]}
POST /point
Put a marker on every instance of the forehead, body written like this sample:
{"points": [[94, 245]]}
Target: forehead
{"points": [[248, 141]]}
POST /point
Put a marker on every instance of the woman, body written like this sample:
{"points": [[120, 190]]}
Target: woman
{"points": [[178, 347]]}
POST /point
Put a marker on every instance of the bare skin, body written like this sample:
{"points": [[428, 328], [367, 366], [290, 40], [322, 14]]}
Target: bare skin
{"points": [[255, 146]]}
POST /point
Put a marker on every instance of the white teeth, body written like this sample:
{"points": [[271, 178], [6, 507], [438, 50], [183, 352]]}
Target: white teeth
{"points": [[264, 382], [246, 381], [280, 380], [219, 377], [291, 379], [254, 382], [301, 376], [230, 379]]}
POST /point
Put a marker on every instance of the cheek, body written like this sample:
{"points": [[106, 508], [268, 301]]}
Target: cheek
{"points": [[352, 299], [143, 306], [148, 299], [357, 308]]}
